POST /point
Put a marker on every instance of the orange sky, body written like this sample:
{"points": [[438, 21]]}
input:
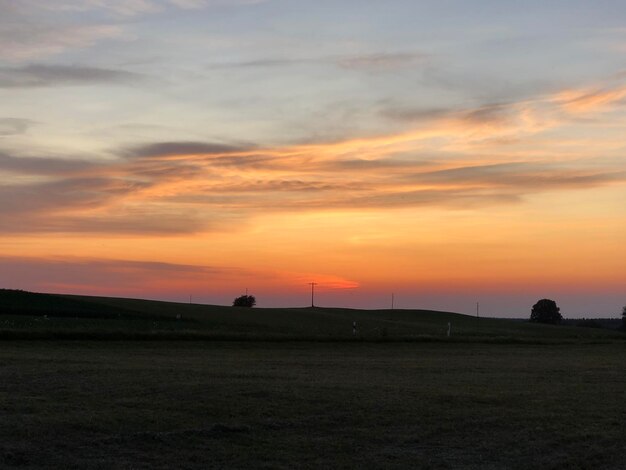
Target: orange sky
{"points": [[359, 214]]}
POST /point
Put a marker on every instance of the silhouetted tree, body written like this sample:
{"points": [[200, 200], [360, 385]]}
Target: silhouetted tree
{"points": [[546, 311], [624, 318], [244, 301]]}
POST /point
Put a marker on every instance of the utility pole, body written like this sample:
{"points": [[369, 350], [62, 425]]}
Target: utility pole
{"points": [[312, 284], [392, 301], [477, 310]]}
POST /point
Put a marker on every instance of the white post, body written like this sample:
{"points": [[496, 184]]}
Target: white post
{"points": [[449, 328]]}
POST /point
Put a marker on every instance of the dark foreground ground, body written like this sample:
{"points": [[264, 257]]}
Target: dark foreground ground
{"points": [[311, 405]]}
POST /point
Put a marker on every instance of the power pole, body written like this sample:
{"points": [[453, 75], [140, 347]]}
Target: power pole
{"points": [[477, 310], [312, 284], [392, 301]]}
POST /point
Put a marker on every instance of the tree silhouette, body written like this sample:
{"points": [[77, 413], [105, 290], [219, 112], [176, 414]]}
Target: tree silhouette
{"points": [[546, 311], [244, 301], [624, 318]]}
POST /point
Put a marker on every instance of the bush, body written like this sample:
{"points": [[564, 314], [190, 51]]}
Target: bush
{"points": [[244, 301], [546, 311]]}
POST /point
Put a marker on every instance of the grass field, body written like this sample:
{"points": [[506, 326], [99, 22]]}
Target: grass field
{"points": [[212, 404]]}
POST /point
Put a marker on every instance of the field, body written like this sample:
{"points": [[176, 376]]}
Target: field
{"points": [[213, 404], [102, 383]]}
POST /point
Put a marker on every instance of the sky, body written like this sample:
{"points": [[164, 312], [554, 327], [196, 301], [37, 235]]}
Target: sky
{"points": [[446, 152]]}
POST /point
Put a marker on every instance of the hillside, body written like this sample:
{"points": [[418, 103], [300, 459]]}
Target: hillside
{"points": [[24, 312]]}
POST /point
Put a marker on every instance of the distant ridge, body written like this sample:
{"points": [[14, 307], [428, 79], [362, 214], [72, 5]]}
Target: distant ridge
{"points": [[20, 302], [71, 316]]}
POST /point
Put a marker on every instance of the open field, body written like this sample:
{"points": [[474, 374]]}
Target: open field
{"points": [[309, 404]]}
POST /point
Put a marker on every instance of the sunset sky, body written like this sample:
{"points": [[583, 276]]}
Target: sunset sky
{"points": [[445, 151]]}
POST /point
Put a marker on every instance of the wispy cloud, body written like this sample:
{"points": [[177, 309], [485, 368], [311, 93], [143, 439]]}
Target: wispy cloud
{"points": [[14, 126], [380, 60], [588, 100], [93, 275], [67, 193], [520, 176], [40, 75], [127, 7], [24, 41], [164, 149], [368, 62], [35, 29], [42, 165], [172, 187]]}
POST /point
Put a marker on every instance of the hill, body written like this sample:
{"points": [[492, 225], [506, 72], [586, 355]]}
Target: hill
{"points": [[25, 313]]}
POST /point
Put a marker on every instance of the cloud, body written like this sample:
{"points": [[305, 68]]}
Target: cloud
{"points": [[165, 149], [112, 197], [491, 113], [128, 8], [505, 122], [106, 275], [174, 187], [364, 166], [22, 40], [39, 75], [414, 114], [63, 194], [42, 165], [488, 113], [96, 218], [522, 176], [461, 187], [454, 198], [380, 60], [145, 220], [13, 126], [369, 62], [588, 100], [481, 85]]}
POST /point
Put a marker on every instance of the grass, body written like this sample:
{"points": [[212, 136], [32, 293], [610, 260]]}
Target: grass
{"points": [[215, 404]]}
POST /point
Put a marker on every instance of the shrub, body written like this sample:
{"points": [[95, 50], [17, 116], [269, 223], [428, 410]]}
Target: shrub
{"points": [[244, 301]]}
